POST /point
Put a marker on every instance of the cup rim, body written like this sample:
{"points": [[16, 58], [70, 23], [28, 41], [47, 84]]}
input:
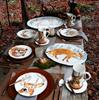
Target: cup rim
{"points": [[79, 68]]}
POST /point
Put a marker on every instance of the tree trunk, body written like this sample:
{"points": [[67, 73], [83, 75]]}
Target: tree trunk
{"points": [[24, 14]]}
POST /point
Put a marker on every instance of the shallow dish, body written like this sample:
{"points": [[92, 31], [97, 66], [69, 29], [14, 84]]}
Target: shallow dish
{"points": [[25, 34], [69, 32], [50, 83], [46, 22], [66, 54], [20, 51], [32, 84]]}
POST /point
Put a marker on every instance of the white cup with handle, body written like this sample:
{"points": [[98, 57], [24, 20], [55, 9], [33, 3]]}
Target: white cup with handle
{"points": [[42, 35], [71, 19], [79, 73]]}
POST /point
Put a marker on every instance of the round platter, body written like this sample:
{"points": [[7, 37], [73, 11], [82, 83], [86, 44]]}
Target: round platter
{"points": [[45, 22]]}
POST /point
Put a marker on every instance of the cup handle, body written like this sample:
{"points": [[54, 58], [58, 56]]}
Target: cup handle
{"points": [[74, 17], [89, 76], [47, 34], [65, 25]]}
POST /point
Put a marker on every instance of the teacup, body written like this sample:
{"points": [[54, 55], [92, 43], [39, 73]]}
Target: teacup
{"points": [[79, 74], [42, 36], [71, 19]]}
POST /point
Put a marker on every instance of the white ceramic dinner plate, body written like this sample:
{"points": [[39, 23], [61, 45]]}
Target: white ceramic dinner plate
{"points": [[69, 32], [67, 54], [25, 33], [34, 83], [20, 51], [45, 22], [81, 90]]}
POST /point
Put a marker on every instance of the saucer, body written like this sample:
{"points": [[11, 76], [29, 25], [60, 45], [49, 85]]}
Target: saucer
{"points": [[42, 44], [81, 90]]}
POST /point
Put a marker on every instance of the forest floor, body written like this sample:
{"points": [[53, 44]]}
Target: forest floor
{"points": [[90, 18]]}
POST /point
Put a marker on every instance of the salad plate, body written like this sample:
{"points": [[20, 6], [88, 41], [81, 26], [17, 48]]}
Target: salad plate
{"points": [[69, 32], [25, 34], [20, 51]]}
